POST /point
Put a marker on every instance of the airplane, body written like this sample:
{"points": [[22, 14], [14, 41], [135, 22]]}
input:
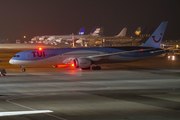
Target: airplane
{"points": [[85, 58], [119, 40], [87, 38], [95, 32], [54, 37]]}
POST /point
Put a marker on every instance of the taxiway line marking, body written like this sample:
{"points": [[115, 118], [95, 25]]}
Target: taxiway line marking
{"points": [[10, 101]]}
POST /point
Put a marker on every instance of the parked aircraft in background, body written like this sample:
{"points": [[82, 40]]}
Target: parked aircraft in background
{"points": [[84, 58], [53, 38], [66, 39], [121, 34]]}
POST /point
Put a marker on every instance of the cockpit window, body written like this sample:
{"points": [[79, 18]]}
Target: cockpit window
{"points": [[16, 56]]}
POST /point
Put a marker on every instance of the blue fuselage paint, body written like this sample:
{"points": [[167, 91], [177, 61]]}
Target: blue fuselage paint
{"points": [[57, 56]]}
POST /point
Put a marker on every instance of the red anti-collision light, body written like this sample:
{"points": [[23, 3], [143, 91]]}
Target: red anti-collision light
{"points": [[40, 48]]}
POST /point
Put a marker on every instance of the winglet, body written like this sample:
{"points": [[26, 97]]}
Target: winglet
{"points": [[156, 38]]}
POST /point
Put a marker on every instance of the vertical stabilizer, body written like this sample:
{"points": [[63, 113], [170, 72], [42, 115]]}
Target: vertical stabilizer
{"points": [[122, 33], [138, 31], [156, 38], [96, 32], [81, 31], [94, 29]]}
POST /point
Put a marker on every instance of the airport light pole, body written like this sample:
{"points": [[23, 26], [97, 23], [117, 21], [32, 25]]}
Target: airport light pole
{"points": [[73, 40]]}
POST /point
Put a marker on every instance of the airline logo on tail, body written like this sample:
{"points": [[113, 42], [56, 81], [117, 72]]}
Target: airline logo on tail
{"points": [[96, 31], [157, 36], [156, 41], [138, 31], [81, 31]]}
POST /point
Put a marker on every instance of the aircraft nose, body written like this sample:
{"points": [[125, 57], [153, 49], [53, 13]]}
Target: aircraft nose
{"points": [[11, 61]]}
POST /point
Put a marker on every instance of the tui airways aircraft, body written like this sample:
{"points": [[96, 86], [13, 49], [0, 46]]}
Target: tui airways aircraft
{"points": [[84, 58]]}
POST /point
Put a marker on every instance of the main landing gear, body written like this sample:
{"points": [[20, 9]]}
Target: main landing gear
{"points": [[96, 67], [23, 70], [86, 68]]}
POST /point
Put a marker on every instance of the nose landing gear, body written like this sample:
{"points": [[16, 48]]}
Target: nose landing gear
{"points": [[23, 70]]}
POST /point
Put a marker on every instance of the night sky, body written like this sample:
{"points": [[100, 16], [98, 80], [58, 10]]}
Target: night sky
{"points": [[58, 17]]}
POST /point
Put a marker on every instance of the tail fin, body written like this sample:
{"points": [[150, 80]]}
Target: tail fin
{"points": [[146, 35], [138, 31], [122, 33], [81, 31], [96, 31], [156, 38]]}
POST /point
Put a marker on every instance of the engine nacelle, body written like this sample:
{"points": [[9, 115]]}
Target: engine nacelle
{"points": [[82, 62]]}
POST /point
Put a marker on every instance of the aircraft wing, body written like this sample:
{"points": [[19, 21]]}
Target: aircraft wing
{"points": [[167, 50], [98, 57], [70, 60]]}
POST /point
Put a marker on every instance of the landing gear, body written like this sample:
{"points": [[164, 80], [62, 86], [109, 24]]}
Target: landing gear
{"points": [[86, 68], [23, 70], [2, 72], [96, 67]]}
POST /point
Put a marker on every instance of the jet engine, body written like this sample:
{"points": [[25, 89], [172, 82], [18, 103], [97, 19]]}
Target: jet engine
{"points": [[82, 63]]}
